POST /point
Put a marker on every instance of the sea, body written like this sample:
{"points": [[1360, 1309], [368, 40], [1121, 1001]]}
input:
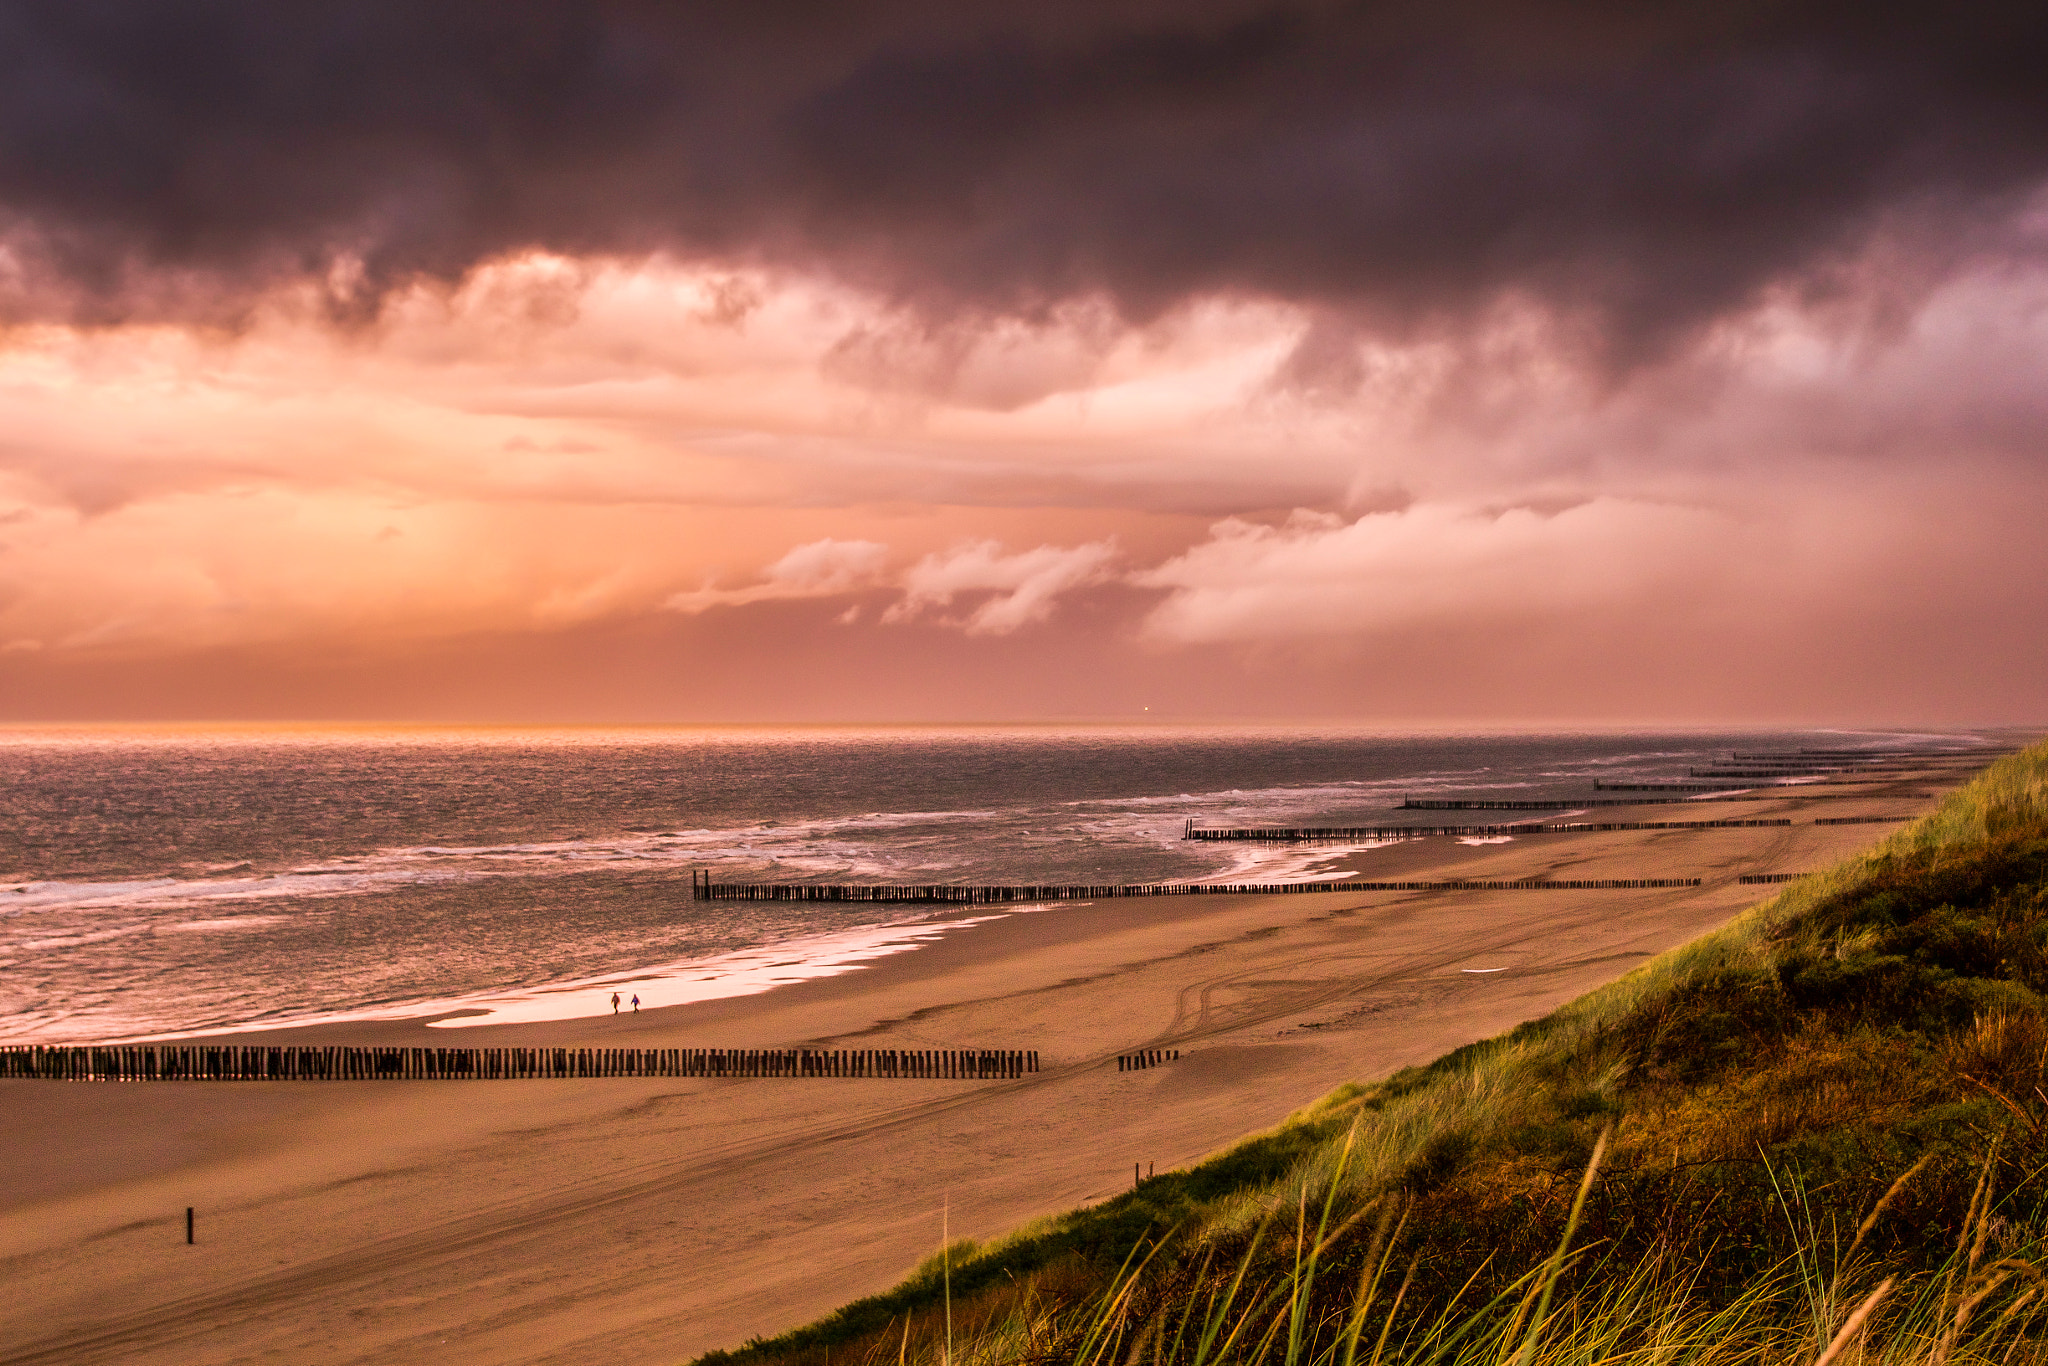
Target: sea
{"points": [[165, 883]]}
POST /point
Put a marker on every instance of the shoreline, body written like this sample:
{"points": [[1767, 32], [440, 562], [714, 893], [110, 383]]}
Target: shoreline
{"points": [[554, 1220], [923, 931], [822, 954], [410, 1022]]}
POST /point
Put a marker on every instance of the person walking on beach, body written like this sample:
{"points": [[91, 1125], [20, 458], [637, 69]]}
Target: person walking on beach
{"points": [[615, 1003], [636, 1003]]}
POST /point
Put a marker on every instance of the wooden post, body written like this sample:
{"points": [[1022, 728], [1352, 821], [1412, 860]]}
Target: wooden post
{"points": [[188, 1226]]}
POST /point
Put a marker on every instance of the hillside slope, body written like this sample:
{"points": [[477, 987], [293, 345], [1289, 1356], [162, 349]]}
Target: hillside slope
{"points": [[1864, 1051]]}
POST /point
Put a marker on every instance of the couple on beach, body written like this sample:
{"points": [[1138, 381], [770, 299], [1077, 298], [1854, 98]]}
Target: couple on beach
{"points": [[615, 1003]]}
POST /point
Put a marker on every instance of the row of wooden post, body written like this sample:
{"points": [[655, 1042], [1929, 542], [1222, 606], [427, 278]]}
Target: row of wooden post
{"points": [[1795, 767], [1281, 834], [1794, 772], [1547, 803], [1144, 1058], [706, 890], [1899, 754], [1686, 787], [1387, 832], [214, 1062], [1748, 785], [1856, 757]]}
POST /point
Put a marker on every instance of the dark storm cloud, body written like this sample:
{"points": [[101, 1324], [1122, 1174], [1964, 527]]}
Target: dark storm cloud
{"points": [[1644, 166]]}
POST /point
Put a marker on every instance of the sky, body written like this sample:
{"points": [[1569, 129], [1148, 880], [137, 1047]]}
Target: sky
{"points": [[1469, 361]]}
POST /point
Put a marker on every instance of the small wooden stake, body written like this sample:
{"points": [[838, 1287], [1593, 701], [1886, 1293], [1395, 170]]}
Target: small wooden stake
{"points": [[188, 1226]]}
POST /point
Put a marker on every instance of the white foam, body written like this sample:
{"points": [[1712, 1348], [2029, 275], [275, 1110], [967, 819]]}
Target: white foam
{"points": [[840, 848], [1264, 864], [742, 972], [169, 893]]}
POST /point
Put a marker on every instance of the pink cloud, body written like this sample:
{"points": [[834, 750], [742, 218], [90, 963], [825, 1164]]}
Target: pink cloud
{"points": [[1026, 585], [1022, 588], [1321, 575], [566, 445], [818, 569]]}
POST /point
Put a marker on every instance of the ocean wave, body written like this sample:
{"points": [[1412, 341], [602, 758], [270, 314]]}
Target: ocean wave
{"points": [[741, 972], [412, 876], [975, 843], [1268, 864]]}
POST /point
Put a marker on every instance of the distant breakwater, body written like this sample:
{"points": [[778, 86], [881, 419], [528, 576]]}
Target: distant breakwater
{"points": [[1693, 787], [1556, 803], [1788, 768], [1793, 784], [216, 1062], [1839, 775], [1296, 833], [1282, 834], [707, 890]]}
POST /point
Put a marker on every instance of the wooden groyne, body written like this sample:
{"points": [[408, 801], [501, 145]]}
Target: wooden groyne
{"points": [[1682, 787], [1557, 803], [1738, 759], [1866, 758], [1907, 753], [1750, 783], [1807, 756], [1282, 834], [1788, 768], [707, 890], [1755, 879], [1144, 1058], [1830, 775], [217, 1062], [1302, 834]]}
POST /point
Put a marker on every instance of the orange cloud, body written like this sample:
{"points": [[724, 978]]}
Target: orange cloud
{"points": [[1025, 586], [563, 445], [1322, 575]]}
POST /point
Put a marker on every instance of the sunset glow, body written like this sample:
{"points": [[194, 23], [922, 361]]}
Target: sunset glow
{"points": [[918, 426]]}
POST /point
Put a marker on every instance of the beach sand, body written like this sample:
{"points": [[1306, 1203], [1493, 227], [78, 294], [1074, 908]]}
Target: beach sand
{"points": [[650, 1220]]}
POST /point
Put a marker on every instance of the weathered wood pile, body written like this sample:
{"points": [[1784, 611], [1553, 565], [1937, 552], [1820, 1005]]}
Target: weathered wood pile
{"points": [[218, 1062], [1552, 803], [708, 890], [1287, 833]]}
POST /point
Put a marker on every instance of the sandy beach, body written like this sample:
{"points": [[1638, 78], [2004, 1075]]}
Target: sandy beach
{"points": [[649, 1220]]}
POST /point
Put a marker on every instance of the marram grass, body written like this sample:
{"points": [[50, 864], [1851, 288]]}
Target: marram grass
{"points": [[1275, 1305]]}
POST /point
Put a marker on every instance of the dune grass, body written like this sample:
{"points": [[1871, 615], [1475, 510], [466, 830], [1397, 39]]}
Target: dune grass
{"points": [[1828, 1302], [1712, 1159]]}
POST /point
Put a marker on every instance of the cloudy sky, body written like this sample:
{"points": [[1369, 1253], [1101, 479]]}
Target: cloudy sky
{"points": [[1432, 360]]}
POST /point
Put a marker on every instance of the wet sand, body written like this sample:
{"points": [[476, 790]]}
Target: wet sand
{"points": [[649, 1220]]}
